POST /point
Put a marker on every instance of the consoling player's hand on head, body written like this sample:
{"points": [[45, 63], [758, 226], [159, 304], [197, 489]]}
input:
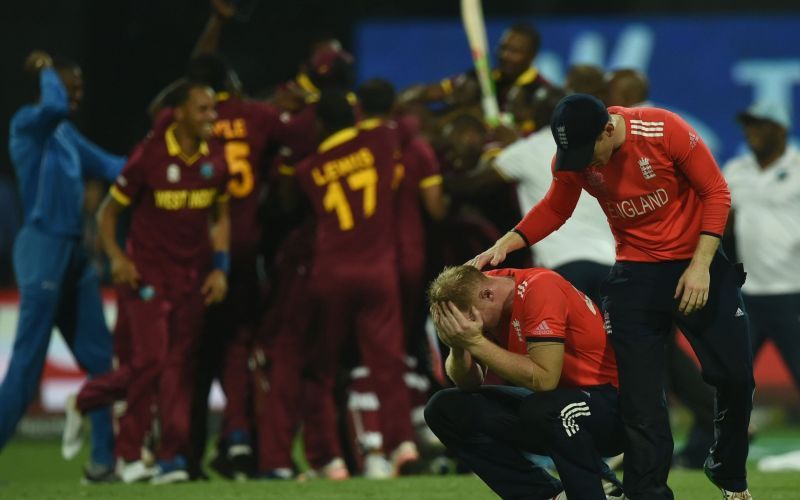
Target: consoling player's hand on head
{"points": [[456, 329], [215, 287], [497, 254], [494, 256]]}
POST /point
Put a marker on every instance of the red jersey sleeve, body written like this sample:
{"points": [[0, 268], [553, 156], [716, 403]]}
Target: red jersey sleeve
{"points": [[693, 158], [130, 182], [552, 211], [545, 316]]}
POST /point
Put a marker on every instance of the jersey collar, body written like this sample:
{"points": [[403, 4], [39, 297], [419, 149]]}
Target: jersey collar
{"points": [[174, 147]]}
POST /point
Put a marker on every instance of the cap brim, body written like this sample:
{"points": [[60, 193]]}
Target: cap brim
{"points": [[574, 159]]}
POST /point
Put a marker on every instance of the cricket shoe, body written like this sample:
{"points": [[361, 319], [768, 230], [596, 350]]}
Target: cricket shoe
{"points": [[99, 474], [618, 495], [135, 471], [708, 468], [171, 471], [377, 467], [72, 436], [279, 474], [240, 456], [403, 457], [335, 470]]}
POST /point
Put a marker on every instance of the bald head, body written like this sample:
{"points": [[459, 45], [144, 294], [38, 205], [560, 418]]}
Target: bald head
{"points": [[627, 87]]}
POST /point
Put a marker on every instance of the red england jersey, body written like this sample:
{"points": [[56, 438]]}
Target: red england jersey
{"points": [[547, 308], [660, 190], [171, 196], [349, 183], [246, 130]]}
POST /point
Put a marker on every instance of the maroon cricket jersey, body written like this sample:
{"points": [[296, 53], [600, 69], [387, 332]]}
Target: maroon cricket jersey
{"points": [[418, 170], [172, 196], [349, 183], [245, 129]]}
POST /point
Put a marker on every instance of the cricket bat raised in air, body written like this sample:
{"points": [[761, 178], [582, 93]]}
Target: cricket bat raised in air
{"points": [[472, 17]]}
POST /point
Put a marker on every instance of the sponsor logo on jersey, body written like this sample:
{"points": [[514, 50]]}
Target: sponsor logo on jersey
{"points": [[542, 329], [739, 313], [646, 168], [517, 329], [607, 323], [173, 173]]}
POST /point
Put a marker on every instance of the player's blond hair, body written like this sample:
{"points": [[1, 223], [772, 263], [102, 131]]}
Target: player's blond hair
{"points": [[458, 284]]}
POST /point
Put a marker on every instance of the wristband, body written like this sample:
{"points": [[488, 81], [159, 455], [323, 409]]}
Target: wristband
{"points": [[222, 261]]}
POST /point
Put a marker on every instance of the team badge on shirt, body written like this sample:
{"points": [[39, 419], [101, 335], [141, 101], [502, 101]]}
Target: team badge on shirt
{"points": [[207, 170], [173, 173], [647, 170]]}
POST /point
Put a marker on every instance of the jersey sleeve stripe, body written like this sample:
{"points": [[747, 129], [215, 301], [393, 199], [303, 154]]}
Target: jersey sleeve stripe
{"points": [[545, 339], [647, 128], [647, 134], [433, 180], [640, 122], [118, 195]]}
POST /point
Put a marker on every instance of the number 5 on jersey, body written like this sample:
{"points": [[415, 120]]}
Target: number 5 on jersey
{"points": [[335, 199]]}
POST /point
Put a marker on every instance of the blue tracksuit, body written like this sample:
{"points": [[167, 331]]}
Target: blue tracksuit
{"points": [[58, 286]]}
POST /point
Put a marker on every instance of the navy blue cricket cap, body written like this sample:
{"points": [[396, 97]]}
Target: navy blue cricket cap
{"points": [[577, 121]]}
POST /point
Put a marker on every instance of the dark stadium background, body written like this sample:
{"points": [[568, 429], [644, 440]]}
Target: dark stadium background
{"points": [[129, 49]]}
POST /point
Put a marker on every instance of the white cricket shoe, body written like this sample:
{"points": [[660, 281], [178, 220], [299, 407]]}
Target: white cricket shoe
{"points": [[134, 472], [377, 467], [736, 495], [72, 437]]}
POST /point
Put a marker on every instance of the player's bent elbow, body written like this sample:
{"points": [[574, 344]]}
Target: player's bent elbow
{"points": [[544, 384]]}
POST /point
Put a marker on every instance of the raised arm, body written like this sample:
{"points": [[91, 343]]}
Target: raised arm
{"points": [[53, 104]]}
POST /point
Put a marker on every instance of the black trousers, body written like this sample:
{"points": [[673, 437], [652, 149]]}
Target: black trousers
{"points": [[493, 428], [775, 317], [641, 311], [586, 276]]}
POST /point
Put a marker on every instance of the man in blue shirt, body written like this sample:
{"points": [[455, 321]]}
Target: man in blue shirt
{"points": [[57, 285]]}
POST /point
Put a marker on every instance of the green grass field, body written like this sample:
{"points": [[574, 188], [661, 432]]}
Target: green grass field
{"points": [[34, 470]]}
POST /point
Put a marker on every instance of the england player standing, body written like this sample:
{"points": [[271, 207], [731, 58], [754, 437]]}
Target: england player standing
{"points": [[667, 203], [57, 283], [765, 189]]}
